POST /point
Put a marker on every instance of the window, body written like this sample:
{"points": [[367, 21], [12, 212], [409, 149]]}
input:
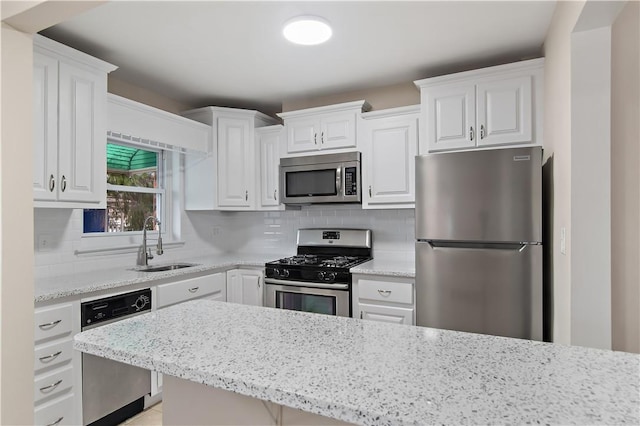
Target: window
{"points": [[135, 190]]}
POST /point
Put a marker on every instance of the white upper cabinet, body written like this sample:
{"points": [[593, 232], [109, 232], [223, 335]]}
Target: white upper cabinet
{"points": [[496, 106], [70, 100], [389, 141], [270, 141], [227, 178], [329, 127]]}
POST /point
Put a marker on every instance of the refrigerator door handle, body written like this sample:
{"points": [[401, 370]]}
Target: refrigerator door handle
{"points": [[519, 246]]}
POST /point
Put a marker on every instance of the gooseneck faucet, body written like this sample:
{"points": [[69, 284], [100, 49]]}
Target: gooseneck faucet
{"points": [[145, 255]]}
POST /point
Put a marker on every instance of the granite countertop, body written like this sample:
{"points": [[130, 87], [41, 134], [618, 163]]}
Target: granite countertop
{"points": [[375, 373], [78, 284], [387, 267]]}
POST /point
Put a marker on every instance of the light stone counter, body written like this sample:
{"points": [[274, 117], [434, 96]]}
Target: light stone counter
{"points": [[51, 288], [374, 373], [387, 267]]}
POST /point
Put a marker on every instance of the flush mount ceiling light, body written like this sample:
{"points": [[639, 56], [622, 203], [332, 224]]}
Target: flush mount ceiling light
{"points": [[307, 30]]}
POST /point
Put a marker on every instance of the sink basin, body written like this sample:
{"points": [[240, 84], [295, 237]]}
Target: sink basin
{"points": [[162, 268]]}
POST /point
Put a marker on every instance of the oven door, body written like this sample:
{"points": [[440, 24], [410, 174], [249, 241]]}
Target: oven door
{"points": [[326, 299]]}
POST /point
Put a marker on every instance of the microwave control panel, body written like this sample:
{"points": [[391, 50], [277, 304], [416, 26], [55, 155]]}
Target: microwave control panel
{"points": [[350, 181]]}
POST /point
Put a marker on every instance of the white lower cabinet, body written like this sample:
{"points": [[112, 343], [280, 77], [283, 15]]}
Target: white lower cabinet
{"points": [[213, 287], [56, 366], [245, 286], [385, 299]]}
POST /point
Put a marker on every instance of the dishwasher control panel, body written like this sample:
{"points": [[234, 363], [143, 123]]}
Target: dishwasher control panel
{"points": [[113, 307]]}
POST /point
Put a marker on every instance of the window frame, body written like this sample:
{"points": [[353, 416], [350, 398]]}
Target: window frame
{"points": [[165, 188]]}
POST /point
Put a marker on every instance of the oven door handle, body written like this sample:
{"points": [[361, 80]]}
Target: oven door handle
{"points": [[305, 284]]}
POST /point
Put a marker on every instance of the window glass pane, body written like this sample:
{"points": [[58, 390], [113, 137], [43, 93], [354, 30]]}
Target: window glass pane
{"points": [[126, 211]]}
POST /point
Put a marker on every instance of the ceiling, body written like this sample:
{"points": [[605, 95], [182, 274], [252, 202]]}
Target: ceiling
{"points": [[233, 54]]}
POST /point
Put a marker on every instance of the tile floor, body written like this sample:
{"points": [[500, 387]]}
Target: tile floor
{"points": [[152, 416]]}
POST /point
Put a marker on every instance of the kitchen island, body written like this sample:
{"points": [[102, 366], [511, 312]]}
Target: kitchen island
{"points": [[365, 372]]}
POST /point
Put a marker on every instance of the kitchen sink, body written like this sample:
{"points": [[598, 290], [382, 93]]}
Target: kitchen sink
{"points": [[162, 268]]}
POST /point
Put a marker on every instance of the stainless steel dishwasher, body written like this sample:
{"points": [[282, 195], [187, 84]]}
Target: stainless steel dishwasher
{"points": [[112, 391]]}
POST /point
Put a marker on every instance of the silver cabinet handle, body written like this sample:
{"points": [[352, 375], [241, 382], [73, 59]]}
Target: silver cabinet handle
{"points": [[360, 314], [275, 191], [471, 132], [315, 138], [246, 195], [50, 324], [322, 137], [56, 422], [482, 131], [193, 289], [384, 292], [52, 183], [258, 282], [49, 357], [369, 190], [51, 386], [63, 184]]}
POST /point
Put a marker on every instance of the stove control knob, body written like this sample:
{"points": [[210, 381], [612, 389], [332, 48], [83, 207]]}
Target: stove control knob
{"points": [[330, 276], [321, 275], [284, 273]]}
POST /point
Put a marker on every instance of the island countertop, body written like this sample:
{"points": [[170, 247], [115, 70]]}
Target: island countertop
{"points": [[374, 373]]}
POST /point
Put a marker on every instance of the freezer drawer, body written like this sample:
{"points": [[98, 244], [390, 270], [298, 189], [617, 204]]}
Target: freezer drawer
{"points": [[492, 195], [496, 290]]}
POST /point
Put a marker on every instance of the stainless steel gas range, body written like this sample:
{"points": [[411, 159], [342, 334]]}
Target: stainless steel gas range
{"points": [[317, 279]]}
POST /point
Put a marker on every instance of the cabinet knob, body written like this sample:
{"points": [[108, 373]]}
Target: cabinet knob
{"points": [[471, 133], [63, 184], [52, 183]]}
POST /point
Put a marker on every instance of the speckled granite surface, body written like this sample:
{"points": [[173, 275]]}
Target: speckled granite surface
{"points": [[387, 267], [376, 373], [79, 284]]}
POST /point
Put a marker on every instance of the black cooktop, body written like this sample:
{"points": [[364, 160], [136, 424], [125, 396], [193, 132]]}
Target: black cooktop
{"points": [[320, 261]]}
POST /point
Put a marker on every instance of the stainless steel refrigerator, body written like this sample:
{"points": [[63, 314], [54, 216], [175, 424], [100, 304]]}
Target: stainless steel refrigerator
{"points": [[479, 241]]}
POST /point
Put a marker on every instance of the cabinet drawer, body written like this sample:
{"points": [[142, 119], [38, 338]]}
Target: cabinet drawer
{"points": [[180, 291], [52, 322], [391, 314], [52, 355], [51, 384], [56, 413], [385, 291]]}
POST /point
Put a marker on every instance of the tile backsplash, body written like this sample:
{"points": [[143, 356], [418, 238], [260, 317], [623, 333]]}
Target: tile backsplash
{"points": [[58, 234]]}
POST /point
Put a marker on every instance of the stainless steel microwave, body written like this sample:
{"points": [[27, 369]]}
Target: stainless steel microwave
{"points": [[325, 178]]}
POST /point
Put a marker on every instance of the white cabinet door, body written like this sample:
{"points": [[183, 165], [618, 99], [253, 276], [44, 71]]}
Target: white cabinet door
{"points": [[302, 135], [235, 163], [82, 135], [384, 313], [45, 127], [450, 117], [269, 145], [504, 111], [391, 145], [245, 286], [338, 131]]}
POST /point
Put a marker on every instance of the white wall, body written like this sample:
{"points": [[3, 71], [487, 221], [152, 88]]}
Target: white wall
{"points": [[211, 233], [16, 261], [557, 146], [625, 179]]}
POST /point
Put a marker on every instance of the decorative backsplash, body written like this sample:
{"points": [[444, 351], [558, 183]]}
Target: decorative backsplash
{"points": [[210, 233]]}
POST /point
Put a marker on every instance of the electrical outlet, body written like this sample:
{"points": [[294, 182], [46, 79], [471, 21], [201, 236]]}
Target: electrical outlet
{"points": [[44, 242], [215, 231], [563, 240]]}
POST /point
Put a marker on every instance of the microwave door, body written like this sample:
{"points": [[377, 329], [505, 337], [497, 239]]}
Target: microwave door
{"points": [[306, 184]]}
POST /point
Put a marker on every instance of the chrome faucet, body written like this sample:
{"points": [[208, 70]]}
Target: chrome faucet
{"points": [[145, 255]]}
